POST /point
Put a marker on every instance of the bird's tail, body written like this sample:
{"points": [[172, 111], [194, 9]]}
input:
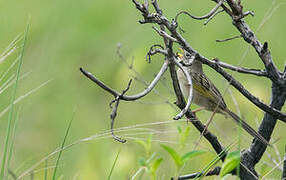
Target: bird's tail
{"points": [[247, 128]]}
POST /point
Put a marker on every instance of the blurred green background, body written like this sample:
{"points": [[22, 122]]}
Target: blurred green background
{"points": [[67, 34]]}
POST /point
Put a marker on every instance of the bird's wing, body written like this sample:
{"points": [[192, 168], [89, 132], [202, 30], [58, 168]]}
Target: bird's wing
{"points": [[205, 87]]}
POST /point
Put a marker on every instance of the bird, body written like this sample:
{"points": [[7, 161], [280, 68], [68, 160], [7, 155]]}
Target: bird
{"points": [[205, 93]]}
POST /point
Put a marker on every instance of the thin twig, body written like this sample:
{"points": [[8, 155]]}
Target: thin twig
{"points": [[190, 86], [201, 17], [124, 97], [114, 113], [213, 172], [164, 34], [152, 51], [228, 39], [212, 16], [257, 72]]}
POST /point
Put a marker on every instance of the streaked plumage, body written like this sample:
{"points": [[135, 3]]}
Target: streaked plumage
{"points": [[206, 95]]}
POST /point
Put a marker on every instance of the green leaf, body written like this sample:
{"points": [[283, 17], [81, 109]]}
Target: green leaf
{"points": [[179, 129], [155, 165], [231, 162], [141, 161], [176, 157], [146, 144], [149, 144], [190, 155], [184, 135], [143, 143], [214, 161]]}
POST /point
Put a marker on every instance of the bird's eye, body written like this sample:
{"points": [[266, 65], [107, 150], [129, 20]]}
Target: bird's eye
{"points": [[188, 55]]}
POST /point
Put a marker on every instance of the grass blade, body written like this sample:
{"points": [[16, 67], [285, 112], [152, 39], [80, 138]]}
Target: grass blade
{"points": [[62, 146], [113, 165], [10, 118]]}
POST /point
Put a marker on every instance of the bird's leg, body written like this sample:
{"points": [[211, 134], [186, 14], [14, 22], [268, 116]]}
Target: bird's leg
{"points": [[205, 129], [198, 109], [209, 121]]}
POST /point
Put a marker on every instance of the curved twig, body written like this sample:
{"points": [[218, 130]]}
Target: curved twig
{"points": [[200, 17], [171, 26], [189, 79], [114, 113], [212, 16], [164, 34], [153, 51], [125, 97]]}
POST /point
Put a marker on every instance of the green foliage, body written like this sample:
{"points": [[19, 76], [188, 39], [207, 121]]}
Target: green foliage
{"points": [[149, 163], [231, 162], [146, 144], [215, 161], [85, 34], [183, 135], [180, 160], [5, 158], [191, 154], [154, 166], [175, 156]]}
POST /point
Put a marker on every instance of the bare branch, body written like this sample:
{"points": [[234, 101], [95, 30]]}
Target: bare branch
{"points": [[156, 7], [257, 72], [189, 102], [212, 12], [153, 51], [125, 97], [249, 36], [114, 113], [228, 39], [164, 34], [213, 172], [274, 112], [212, 16], [112, 117]]}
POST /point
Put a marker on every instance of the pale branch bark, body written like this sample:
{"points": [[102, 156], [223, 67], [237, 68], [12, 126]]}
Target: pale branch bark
{"points": [[271, 110], [189, 79], [171, 26], [210, 137], [208, 15], [254, 153], [164, 34], [249, 36], [153, 50], [257, 72], [121, 96], [114, 113], [212, 16], [180, 102], [125, 97]]}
